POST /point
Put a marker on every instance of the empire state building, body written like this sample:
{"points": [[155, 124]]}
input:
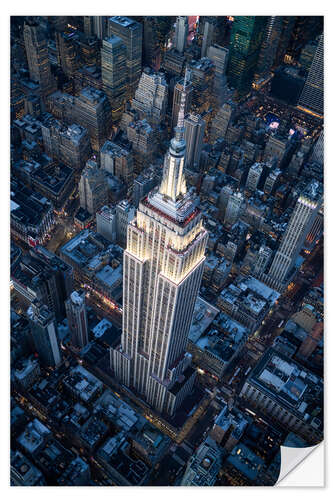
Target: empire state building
{"points": [[163, 266]]}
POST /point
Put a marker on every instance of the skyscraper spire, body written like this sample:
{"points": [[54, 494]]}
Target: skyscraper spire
{"points": [[173, 183]]}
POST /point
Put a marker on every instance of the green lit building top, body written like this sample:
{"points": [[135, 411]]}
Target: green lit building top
{"points": [[245, 42]]}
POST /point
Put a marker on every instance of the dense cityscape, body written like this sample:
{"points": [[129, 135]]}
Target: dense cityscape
{"points": [[166, 251]]}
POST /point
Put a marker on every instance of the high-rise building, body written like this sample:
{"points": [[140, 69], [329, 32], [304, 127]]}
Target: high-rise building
{"points": [[106, 223], [67, 52], [208, 35], [302, 218], [234, 207], [194, 134], [202, 77], [221, 121], [254, 175], [151, 97], [142, 137], [153, 30], [95, 25], [92, 111], [114, 73], [318, 150], [173, 62], [44, 277], [144, 183], [35, 43], [45, 335], [288, 23], [312, 96], [269, 47], [68, 144], [117, 161], [77, 319], [263, 259], [130, 33], [181, 33], [219, 56], [245, 43], [163, 265], [183, 85], [124, 214], [93, 188]]}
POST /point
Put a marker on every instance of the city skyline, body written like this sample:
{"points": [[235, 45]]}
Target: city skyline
{"points": [[166, 225]]}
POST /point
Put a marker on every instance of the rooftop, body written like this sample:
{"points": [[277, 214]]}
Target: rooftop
{"points": [[291, 384]]}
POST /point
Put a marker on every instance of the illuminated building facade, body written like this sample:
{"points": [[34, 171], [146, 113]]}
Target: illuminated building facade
{"points": [[114, 73], [312, 96], [304, 214], [163, 265], [130, 33]]}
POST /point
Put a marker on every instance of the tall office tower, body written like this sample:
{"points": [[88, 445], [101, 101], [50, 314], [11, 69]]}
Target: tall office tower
{"points": [[302, 218], [221, 121], [151, 97], [264, 256], [269, 47], [208, 35], [173, 62], [276, 148], [254, 175], [184, 85], [106, 223], [219, 56], [142, 137], [77, 319], [68, 144], [67, 52], [99, 26], [93, 188], [44, 277], [151, 46], [35, 43], [125, 212], [312, 96], [194, 134], [144, 183], [245, 42], [271, 181], [92, 111], [89, 54], [223, 199], [130, 33], [202, 77], [234, 208], [95, 25], [318, 150], [181, 34], [88, 25], [288, 23], [114, 73], [117, 161], [44, 334], [307, 54], [163, 265]]}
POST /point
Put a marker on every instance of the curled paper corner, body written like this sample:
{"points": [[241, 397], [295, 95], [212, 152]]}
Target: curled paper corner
{"points": [[292, 457]]}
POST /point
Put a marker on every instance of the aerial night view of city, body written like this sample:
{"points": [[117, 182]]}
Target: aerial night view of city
{"points": [[166, 248]]}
